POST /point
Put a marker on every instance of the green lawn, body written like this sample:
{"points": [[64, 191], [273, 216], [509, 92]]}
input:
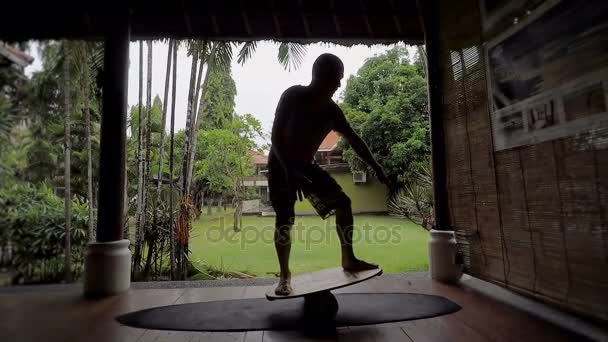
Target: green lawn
{"points": [[397, 245]]}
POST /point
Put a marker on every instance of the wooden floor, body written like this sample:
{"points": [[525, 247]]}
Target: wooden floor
{"points": [[61, 314]]}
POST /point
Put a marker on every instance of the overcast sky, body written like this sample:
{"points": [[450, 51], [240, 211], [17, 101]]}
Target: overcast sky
{"points": [[259, 82]]}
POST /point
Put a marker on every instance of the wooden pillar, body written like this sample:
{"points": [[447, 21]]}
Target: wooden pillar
{"points": [[429, 10], [111, 212]]}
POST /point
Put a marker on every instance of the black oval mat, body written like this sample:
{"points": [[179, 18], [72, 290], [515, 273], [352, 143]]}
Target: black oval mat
{"points": [[261, 314]]}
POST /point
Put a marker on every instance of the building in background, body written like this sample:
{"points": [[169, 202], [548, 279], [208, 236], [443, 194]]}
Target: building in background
{"points": [[367, 194]]}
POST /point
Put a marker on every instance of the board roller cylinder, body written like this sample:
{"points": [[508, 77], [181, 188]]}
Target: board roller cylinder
{"points": [[320, 307]]}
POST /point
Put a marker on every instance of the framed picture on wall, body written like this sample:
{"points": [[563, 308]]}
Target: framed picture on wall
{"points": [[548, 75]]}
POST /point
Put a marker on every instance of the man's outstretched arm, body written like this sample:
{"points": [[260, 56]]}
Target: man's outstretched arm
{"points": [[360, 147]]}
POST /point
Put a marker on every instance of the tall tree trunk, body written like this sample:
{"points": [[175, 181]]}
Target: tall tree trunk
{"points": [[171, 155], [238, 213], [140, 169], [189, 124], [87, 118], [148, 234], [148, 126], [161, 152], [183, 222], [202, 200], [198, 116], [192, 150], [67, 199], [209, 205], [164, 118]]}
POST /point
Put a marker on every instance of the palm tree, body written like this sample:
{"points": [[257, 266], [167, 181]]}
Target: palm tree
{"points": [[66, 150], [214, 55], [147, 148], [140, 217], [171, 155], [197, 123], [164, 118], [219, 56], [154, 245], [85, 85]]}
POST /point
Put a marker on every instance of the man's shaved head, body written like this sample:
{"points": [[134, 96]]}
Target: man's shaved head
{"points": [[327, 65], [327, 71]]}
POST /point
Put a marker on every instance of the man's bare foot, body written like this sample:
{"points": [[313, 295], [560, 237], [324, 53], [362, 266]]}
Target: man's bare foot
{"points": [[355, 265], [284, 287]]}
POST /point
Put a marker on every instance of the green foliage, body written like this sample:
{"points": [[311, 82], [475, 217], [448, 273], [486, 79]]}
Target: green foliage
{"points": [[39, 141], [386, 103], [157, 114], [218, 103], [223, 153], [415, 200], [32, 219], [156, 126]]}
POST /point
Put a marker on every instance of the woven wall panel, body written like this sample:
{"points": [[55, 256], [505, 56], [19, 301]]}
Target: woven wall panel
{"points": [[484, 186], [461, 192], [584, 231], [519, 257], [545, 220], [531, 217]]}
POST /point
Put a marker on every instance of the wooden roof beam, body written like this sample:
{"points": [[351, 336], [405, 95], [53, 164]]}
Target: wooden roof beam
{"points": [[277, 26], [395, 18], [304, 20], [335, 18], [275, 20], [246, 23], [216, 28], [368, 27], [188, 22]]}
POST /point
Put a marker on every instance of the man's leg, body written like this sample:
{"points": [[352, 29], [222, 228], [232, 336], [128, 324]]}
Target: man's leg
{"points": [[344, 223], [282, 244]]}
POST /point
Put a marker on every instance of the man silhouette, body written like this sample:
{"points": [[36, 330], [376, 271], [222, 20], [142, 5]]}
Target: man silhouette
{"points": [[304, 116]]}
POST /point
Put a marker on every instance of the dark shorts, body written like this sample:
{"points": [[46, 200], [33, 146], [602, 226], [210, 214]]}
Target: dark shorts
{"points": [[323, 193]]}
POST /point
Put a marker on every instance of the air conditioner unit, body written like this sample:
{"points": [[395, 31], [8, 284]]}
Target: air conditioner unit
{"points": [[359, 177]]}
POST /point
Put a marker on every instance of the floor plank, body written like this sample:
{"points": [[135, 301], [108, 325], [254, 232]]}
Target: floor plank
{"points": [[63, 315], [341, 334], [104, 327], [380, 332], [196, 295], [254, 336]]}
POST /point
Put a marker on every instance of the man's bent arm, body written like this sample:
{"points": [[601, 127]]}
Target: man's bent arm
{"points": [[360, 147]]}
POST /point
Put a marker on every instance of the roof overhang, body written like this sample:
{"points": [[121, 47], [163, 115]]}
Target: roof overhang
{"points": [[344, 22], [15, 55]]}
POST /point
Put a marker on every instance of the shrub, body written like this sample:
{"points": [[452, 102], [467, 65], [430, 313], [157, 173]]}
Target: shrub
{"points": [[32, 221]]}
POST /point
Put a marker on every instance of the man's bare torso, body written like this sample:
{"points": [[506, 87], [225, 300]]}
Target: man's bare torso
{"points": [[301, 123]]}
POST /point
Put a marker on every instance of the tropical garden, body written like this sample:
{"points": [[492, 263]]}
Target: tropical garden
{"points": [[185, 185]]}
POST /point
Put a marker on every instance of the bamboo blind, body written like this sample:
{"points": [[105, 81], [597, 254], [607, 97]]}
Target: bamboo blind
{"points": [[531, 218]]}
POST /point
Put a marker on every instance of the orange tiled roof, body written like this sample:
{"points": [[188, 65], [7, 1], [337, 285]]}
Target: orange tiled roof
{"points": [[330, 142], [258, 157]]}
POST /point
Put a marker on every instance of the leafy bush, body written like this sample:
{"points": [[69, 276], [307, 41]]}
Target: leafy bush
{"points": [[32, 220]]}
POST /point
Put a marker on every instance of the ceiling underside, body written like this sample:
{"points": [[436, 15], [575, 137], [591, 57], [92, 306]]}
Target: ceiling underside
{"points": [[339, 21]]}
